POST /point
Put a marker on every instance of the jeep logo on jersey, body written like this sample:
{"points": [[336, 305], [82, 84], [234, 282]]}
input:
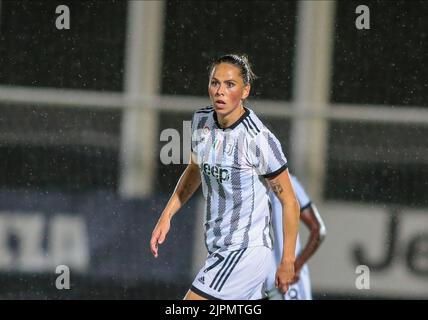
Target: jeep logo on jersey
{"points": [[217, 172]]}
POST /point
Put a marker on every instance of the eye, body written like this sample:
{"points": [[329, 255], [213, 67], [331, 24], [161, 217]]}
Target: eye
{"points": [[214, 83], [230, 84]]}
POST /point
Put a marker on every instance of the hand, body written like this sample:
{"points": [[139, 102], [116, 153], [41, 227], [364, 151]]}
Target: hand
{"points": [[158, 235], [284, 276]]}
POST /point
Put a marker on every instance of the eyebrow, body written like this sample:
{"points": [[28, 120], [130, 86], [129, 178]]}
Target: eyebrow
{"points": [[214, 78]]}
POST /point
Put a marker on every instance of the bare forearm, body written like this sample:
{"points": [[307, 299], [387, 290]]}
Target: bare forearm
{"points": [[310, 248], [290, 227], [281, 186], [186, 187], [283, 189]]}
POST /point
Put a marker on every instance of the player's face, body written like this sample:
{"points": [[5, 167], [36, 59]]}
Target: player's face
{"points": [[226, 88]]}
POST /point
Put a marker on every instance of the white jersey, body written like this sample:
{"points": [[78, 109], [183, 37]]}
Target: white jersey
{"points": [[234, 163], [302, 289]]}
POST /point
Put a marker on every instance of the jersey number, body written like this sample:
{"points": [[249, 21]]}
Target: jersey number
{"points": [[219, 257]]}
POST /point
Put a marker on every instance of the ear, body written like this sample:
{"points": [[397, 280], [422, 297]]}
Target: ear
{"points": [[246, 91]]}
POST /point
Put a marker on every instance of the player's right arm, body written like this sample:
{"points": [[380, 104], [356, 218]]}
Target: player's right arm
{"points": [[313, 221], [186, 186], [283, 189]]}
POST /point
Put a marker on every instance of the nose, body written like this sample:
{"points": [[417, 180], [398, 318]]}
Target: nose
{"points": [[220, 90]]}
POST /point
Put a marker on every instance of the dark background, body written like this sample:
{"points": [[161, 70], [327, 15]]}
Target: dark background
{"points": [[74, 152]]}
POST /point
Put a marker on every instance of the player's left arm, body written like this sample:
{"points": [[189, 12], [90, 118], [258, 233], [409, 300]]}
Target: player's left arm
{"points": [[283, 189], [313, 221]]}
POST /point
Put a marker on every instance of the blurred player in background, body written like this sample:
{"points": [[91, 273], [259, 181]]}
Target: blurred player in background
{"points": [[237, 160], [301, 285]]}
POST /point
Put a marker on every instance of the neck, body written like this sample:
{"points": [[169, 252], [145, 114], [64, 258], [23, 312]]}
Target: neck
{"points": [[229, 119]]}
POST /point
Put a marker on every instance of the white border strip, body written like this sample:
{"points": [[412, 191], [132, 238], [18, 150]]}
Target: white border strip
{"points": [[83, 98]]}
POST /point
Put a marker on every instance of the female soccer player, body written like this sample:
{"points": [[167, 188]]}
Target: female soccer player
{"points": [[237, 159]]}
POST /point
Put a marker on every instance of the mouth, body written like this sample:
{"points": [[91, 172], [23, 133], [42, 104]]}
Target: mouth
{"points": [[220, 102]]}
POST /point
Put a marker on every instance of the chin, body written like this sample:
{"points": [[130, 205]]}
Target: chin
{"points": [[223, 110], [220, 110]]}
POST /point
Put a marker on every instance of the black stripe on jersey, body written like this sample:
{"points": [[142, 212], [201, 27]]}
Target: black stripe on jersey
{"points": [[222, 267], [235, 179], [221, 206], [202, 122], [208, 208], [205, 110], [277, 172], [266, 228], [248, 130], [234, 254], [275, 148], [246, 238], [257, 150], [257, 129], [231, 269], [250, 126], [203, 294]]}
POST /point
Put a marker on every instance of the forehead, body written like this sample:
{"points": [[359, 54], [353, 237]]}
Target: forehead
{"points": [[226, 71]]}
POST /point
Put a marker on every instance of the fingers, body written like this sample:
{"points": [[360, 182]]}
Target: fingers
{"points": [[283, 288], [154, 245], [161, 238], [157, 238], [282, 285], [159, 235]]}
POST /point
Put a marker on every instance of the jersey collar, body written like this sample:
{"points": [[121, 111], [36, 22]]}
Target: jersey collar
{"points": [[235, 124]]}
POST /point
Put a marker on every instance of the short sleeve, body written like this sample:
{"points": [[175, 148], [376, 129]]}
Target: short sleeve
{"points": [[266, 155]]}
